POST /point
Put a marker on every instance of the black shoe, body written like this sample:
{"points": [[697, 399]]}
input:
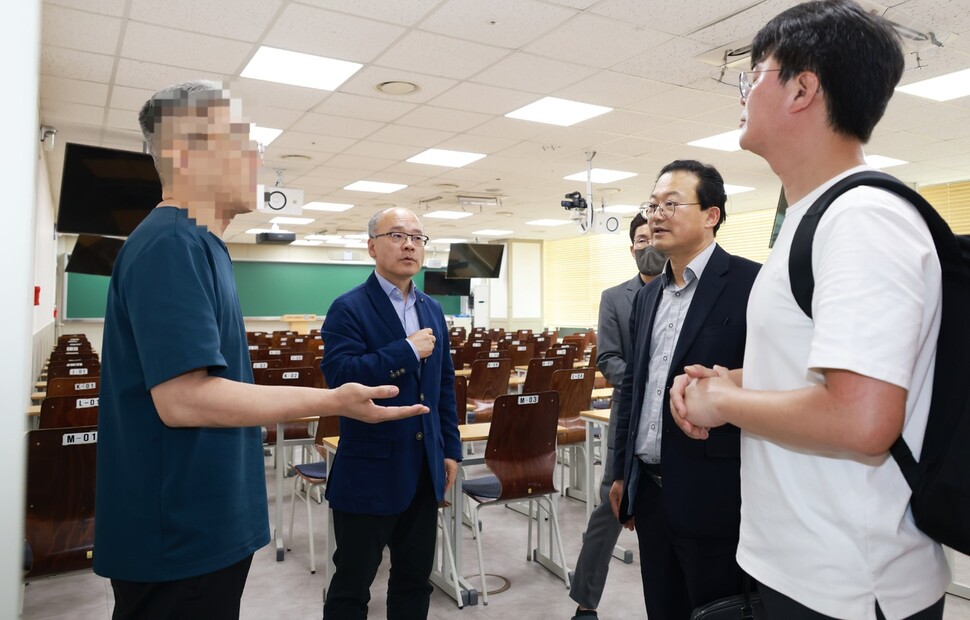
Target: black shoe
{"points": [[585, 614]]}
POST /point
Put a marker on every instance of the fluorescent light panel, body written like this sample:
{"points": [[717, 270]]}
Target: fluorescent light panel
{"points": [[548, 222], [297, 69], [941, 88], [727, 141], [336, 207], [296, 221], [555, 111], [263, 135], [444, 157], [601, 175], [375, 186], [492, 232], [448, 215], [879, 161], [736, 189]]}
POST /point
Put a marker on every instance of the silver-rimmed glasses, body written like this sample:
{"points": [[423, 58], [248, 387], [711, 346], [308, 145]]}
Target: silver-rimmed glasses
{"points": [[401, 238], [665, 209]]}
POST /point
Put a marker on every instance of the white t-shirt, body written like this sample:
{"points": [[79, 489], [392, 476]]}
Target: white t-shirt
{"points": [[834, 531]]}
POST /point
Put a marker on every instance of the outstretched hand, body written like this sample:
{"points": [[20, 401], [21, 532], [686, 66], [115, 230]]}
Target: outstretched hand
{"points": [[357, 402]]}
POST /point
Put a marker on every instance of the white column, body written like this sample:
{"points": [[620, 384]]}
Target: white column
{"points": [[19, 125]]}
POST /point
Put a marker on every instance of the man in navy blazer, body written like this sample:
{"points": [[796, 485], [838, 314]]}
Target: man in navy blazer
{"points": [[387, 479], [682, 496]]}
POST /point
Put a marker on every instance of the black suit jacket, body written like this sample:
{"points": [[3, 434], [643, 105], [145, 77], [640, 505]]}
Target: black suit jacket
{"points": [[701, 479]]}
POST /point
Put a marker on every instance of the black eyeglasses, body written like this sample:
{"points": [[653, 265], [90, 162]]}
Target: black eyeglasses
{"points": [[745, 82], [401, 238], [667, 208]]}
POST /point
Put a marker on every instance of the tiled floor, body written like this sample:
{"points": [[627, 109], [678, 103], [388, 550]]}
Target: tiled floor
{"points": [[288, 590]]}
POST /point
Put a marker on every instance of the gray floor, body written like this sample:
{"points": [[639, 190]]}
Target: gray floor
{"points": [[288, 590]]}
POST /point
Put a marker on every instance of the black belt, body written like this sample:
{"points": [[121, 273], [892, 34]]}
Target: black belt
{"points": [[654, 471]]}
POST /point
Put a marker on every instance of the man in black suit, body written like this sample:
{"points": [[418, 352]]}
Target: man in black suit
{"points": [[683, 497]]}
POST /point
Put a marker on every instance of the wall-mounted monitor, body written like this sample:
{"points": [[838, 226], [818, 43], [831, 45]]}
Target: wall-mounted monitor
{"points": [[437, 283], [475, 260], [105, 191]]}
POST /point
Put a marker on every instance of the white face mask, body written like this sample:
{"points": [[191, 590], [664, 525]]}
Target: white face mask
{"points": [[650, 260]]}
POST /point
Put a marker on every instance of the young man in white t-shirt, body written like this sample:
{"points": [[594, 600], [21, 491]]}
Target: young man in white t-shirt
{"points": [[825, 521]]}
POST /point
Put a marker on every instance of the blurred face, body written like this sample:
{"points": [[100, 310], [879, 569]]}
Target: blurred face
{"points": [[688, 228], [397, 262]]}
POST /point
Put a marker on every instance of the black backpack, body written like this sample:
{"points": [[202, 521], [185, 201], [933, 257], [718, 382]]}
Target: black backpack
{"points": [[940, 481]]}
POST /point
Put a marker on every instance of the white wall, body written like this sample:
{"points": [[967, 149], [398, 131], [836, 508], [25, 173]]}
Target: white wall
{"points": [[19, 125]]}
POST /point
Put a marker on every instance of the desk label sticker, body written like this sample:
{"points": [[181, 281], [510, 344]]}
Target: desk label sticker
{"points": [[532, 399], [260, 365], [71, 349], [547, 363], [296, 358], [291, 375], [493, 364], [86, 403], [275, 352], [78, 439], [84, 386], [577, 376], [78, 371]]}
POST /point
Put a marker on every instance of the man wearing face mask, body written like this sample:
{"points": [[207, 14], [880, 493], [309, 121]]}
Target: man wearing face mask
{"points": [[613, 346]]}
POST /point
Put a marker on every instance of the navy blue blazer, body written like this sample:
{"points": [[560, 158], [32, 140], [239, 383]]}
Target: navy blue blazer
{"points": [[701, 479], [376, 468]]}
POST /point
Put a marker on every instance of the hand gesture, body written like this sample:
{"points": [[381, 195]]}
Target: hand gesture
{"points": [[357, 402], [423, 340]]}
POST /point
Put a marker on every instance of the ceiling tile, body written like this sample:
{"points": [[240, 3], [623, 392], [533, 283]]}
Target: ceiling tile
{"points": [[247, 21], [269, 116], [123, 119], [377, 108], [126, 98], [682, 103], [154, 77], [78, 30], [505, 23], [371, 164], [440, 55], [404, 13], [364, 82], [624, 122], [445, 119], [633, 147], [531, 73], [486, 99], [73, 91], [679, 18], [612, 89], [184, 49], [382, 150], [412, 136], [61, 111], [104, 7], [596, 41], [74, 64], [478, 144], [333, 126], [510, 128], [673, 62], [296, 142], [335, 35], [270, 94]]}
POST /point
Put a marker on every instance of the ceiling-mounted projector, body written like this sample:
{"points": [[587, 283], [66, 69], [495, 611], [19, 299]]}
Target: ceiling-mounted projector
{"points": [[277, 237]]}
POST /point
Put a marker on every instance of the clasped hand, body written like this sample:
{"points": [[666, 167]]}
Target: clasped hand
{"points": [[693, 399]]}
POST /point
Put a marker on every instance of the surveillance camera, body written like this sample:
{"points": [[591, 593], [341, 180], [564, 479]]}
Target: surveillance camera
{"points": [[574, 200]]}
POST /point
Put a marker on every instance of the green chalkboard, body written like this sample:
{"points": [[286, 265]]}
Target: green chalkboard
{"points": [[265, 289]]}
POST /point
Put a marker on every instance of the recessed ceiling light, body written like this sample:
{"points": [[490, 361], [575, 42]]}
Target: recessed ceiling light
{"points": [[397, 87], [557, 111], [609, 191], [375, 186], [327, 206], [621, 209], [296, 221], [549, 222], [601, 175], [263, 135], [727, 141], [941, 88], [492, 232], [297, 69], [879, 161], [444, 157], [446, 241], [448, 215], [306, 242], [736, 189]]}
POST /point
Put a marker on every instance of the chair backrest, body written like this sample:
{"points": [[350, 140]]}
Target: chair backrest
{"points": [[297, 358], [567, 353], [577, 340], [301, 377], [523, 334], [319, 381], [327, 426], [60, 499], [521, 353], [542, 344], [68, 386], [496, 334], [68, 411], [461, 398], [538, 378], [83, 370], [591, 363], [474, 345], [457, 331], [72, 357], [575, 388], [263, 364], [492, 355], [489, 379], [521, 448]]}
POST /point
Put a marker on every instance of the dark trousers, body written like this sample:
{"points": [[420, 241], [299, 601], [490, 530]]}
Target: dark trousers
{"points": [[410, 537], [777, 605], [213, 596], [679, 573]]}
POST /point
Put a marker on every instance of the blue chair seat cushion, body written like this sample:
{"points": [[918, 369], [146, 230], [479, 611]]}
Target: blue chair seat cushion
{"points": [[487, 487], [317, 470]]}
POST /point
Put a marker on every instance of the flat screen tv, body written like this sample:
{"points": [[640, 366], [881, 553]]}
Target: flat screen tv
{"points": [[437, 283], [105, 191], [475, 260]]}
